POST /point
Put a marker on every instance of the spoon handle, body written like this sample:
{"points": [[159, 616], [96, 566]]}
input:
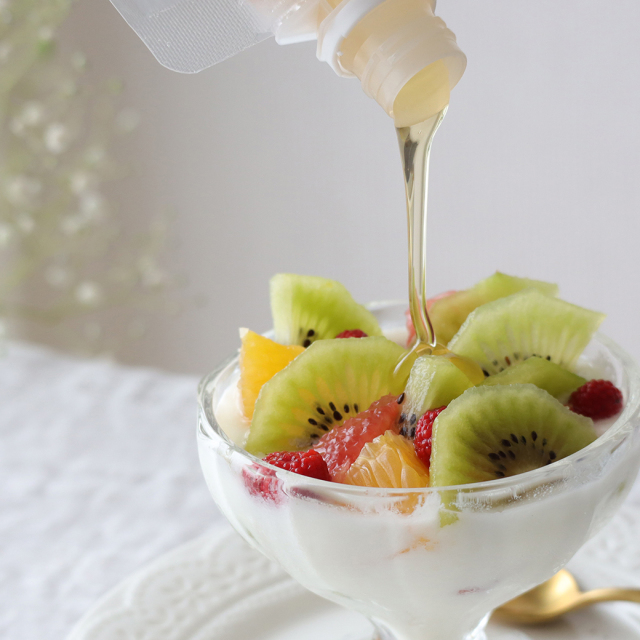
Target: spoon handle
{"points": [[609, 595]]}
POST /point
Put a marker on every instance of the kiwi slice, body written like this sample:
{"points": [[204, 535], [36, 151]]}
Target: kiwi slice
{"points": [[449, 313], [546, 375], [309, 308], [525, 324], [500, 431], [331, 381], [434, 382]]}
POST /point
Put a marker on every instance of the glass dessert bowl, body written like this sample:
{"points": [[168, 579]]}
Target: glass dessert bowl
{"points": [[432, 563]]}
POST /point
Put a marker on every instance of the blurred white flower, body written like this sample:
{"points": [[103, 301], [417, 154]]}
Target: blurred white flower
{"points": [[57, 138], [81, 181], [45, 33], [33, 113], [89, 293], [6, 233], [22, 190], [6, 48], [92, 205]]}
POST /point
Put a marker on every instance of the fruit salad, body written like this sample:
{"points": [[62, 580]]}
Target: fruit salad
{"points": [[331, 397]]}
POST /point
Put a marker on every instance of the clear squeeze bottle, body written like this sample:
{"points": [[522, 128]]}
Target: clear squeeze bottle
{"points": [[404, 56]]}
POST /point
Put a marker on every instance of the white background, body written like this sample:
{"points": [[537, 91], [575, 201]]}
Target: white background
{"points": [[272, 163]]}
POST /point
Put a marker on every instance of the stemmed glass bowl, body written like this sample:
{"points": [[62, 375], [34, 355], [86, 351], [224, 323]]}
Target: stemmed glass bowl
{"points": [[426, 564]]}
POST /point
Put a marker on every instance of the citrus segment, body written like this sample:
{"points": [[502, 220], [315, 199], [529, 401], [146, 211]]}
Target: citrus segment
{"points": [[389, 461], [260, 360]]}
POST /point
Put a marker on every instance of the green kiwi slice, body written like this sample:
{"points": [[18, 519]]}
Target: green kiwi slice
{"points": [[546, 375], [528, 323], [434, 382], [449, 313], [309, 308], [500, 431], [331, 381]]}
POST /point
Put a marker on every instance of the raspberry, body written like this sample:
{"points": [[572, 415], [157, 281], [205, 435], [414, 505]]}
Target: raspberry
{"points": [[352, 333], [424, 433], [306, 463], [261, 482], [597, 399]]}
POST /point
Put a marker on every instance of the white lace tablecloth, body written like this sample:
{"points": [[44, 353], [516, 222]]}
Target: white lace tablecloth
{"points": [[98, 475]]}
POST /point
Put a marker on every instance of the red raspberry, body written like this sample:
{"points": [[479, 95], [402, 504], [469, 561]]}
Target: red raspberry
{"points": [[424, 434], [306, 463], [261, 482], [352, 333], [597, 399]]}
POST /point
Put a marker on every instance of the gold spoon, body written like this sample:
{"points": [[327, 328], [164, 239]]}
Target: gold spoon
{"points": [[557, 596]]}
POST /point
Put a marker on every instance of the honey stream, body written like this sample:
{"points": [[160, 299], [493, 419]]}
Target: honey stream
{"points": [[415, 149]]}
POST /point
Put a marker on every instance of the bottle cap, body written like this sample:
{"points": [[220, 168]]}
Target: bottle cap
{"points": [[392, 55]]}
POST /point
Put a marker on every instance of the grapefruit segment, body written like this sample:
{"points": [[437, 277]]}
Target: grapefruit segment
{"points": [[341, 446]]}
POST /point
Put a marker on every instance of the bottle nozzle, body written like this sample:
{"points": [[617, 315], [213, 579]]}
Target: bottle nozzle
{"points": [[405, 57]]}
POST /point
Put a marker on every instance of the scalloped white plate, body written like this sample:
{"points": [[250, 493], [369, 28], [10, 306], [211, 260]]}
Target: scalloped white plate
{"points": [[218, 588]]}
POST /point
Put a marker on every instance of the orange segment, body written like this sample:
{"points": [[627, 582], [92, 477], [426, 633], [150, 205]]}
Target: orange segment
{"points": [[389, 461], [260, 360]]}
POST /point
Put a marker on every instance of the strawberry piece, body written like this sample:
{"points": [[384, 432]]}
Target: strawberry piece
{"points": [[352, 333], [597, 399], [342, 445], [306, 463], [424, 435]]}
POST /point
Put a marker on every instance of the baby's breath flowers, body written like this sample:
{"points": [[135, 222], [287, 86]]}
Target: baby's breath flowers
{"points": [[65, 263]]}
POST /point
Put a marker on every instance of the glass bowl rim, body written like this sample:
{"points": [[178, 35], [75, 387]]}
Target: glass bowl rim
{"points": [[621, 429]]}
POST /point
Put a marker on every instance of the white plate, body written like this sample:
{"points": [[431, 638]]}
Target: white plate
{"points": [[218, 588]]}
